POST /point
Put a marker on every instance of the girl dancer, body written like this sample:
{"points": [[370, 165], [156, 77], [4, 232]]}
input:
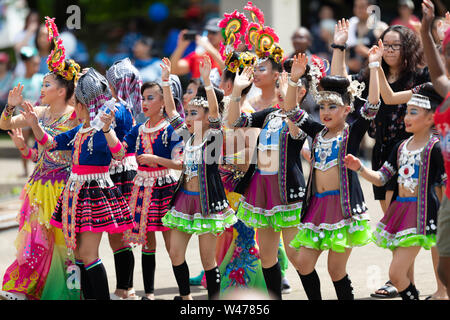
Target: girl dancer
{"points": [[41, 270], [125, 85], [334, 216], [411, 219], [276, 168], [199, 205], [90, 203], [158, 150]]}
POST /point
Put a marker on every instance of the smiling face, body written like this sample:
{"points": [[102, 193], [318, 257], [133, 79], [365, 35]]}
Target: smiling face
{"points": [[393, 47], [333, 116], [196, 118], [417, 119], [51, 91], [152, 102], [264, 75]]}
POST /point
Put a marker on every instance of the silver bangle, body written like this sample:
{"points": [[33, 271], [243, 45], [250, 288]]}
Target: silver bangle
{"points": [[361, 169], [374, 64], [209, 88], [292, 83]]}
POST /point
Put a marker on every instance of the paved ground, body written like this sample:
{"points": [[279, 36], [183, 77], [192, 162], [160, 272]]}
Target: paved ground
{"points": [[367, 267]]}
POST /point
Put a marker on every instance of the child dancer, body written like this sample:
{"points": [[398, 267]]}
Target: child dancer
{"points": [[276, 168], [411, 219], [90, 204], [41, 268], [199, 205], [334, 216], [158, 150], [125, 85]]}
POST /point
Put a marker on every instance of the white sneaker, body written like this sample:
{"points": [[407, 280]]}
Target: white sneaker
{"points": [[286, 288], [114, 296], [5, 295]]}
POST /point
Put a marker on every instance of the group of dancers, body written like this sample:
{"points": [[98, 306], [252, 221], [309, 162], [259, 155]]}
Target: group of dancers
{"points": [[242, 189]]}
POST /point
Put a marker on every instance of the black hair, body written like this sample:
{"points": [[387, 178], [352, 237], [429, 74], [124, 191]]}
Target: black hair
{"points": [[69, 85], [228, 75], [275, 65], [151, 84], [201, 93], [306, 78], [337, 84]]}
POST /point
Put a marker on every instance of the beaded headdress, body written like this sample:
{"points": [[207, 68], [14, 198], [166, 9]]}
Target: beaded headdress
{"points": [[68, 69]]}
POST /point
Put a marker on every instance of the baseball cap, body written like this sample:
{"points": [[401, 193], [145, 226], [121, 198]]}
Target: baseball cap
{"points": [[213, 25]]}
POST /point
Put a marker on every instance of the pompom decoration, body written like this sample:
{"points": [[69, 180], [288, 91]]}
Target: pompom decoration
{"points": [[233, 27], [256, 13], [52, 28], [56, 60]]}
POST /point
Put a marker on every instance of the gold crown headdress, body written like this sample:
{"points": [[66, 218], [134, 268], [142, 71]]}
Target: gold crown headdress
{"points": [[56, 62]]}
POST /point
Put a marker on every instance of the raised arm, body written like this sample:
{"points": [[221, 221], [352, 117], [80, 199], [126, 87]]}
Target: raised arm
{"points": [[389, 96], [205, 71], [241, 81], [180, 66], [438, 73], [298, 69], [15, 99], [375, 56], [169, 102], [338, 67]]}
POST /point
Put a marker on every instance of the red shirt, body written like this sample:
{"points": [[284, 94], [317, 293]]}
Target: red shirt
{"points": [[194, 61], [442, 121]]}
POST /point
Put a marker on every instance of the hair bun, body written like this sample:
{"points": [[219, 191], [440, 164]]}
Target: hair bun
{"points": [[337, 84]]}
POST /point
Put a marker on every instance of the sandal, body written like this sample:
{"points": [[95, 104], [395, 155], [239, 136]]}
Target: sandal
{"points": [[392, 291]]}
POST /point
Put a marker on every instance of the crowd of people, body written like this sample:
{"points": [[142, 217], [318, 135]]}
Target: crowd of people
{"points": [[128, 152]]}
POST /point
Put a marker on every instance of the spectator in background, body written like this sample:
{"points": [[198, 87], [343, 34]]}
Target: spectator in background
{"points": [[26, 37], [321, 34], [6, 79], [301, 41], [148, 66], [405, 15], [43, 46], [32, 84], [210, 46], [129, 39], [360, 37]]}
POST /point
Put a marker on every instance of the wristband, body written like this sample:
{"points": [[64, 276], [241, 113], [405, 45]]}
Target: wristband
{"points": [[209, 88], [361, 169], [28, 156], [165, 83], [292, 83], [44, 140], [116, 148], [375, 64], [338, 46], [236, 99]]}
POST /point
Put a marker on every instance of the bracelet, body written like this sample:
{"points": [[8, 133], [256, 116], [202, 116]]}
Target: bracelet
{"points": [[338, 46], [7, 112], [361, 169], [375, 64], [165, 83], [210, 87], [236, 99], [292, 83]]}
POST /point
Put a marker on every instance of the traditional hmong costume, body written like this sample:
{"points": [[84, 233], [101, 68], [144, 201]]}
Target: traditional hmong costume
{"points": [[208, 210], [338, 219], [412, 221], [153, 186], [43, 269], [126, 81]]}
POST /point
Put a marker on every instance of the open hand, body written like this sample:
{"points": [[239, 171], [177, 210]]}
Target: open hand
{"points": [[299, 64], [166, 67], [15, 97], [30, 114], [341, 32], [352, 162], [243, 80], [427, 15], [205, 68], [18, 139]]}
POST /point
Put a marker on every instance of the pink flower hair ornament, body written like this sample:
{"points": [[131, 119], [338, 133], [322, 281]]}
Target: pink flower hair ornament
{"points": [[233, 26], [256, 13], [52, 28]]}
